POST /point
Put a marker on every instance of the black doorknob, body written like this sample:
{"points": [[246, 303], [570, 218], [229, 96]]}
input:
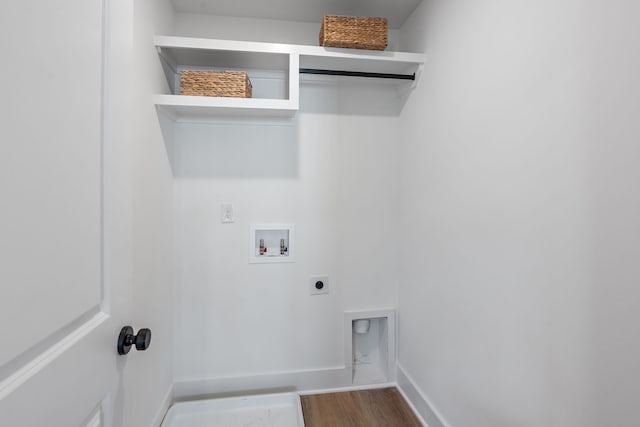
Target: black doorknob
{"points": [[126, 339]]}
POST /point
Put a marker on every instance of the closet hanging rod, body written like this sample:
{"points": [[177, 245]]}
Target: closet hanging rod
{"points": [[358, 74]]}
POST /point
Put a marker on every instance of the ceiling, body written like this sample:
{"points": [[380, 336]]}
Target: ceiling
{"points": [[396, 11]]}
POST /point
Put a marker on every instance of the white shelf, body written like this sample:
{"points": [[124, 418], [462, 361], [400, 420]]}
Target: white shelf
{"points": [[364, 60], [196, 53], [200, 52], [179, 107]]}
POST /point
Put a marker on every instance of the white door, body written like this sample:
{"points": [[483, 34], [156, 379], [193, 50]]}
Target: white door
{"points": [[64, 212]]}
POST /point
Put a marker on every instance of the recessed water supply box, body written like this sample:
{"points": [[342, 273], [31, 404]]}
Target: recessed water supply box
{"points": [[370, 346], [271, 243]]}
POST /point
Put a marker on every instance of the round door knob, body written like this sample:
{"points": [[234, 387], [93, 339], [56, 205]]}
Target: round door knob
{"points": [[127, 339], [143, 339]]}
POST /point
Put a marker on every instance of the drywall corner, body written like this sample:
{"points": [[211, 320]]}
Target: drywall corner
{"points": [[418, 401]]}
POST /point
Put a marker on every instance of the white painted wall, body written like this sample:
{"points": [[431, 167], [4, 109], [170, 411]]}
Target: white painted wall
{"points": [[518, 300], [251, 29], [148, 375], [333, 172]]}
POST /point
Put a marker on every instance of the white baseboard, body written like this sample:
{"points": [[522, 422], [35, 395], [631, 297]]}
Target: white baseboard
{"points": [[167, 401], [347, 388], [418, 401], [277, 382], [303, 382]]}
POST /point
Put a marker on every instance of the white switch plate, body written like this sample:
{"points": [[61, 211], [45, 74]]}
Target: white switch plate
{"points": [[312, 284], [226, 213]]}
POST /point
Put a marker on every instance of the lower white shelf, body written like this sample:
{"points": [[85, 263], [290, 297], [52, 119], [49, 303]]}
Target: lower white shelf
{"points": [[179, 106]]}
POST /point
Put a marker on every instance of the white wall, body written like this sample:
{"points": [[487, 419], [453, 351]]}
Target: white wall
{"points": [[250, 29], [518, 301], [148, 375], [332, 172]]}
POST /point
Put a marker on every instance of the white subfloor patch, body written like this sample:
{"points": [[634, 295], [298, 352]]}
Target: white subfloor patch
{"points": [[274, 410]]}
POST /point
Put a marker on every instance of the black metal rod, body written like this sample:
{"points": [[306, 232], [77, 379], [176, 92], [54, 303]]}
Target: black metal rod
{"points": [[358, 74]]}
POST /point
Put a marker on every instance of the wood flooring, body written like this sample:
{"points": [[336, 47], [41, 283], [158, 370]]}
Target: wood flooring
{"points": [[364, 408]]}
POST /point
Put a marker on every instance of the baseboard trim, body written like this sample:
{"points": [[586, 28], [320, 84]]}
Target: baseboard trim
{"points": [[277, 382], [418, 401], [167, 401], [316, 381], [347, 388], [412, 406]]}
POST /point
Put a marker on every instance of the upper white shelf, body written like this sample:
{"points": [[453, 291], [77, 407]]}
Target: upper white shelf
{"points": [[185, 52]]}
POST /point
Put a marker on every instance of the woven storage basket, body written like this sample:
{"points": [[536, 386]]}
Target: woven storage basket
{"points": [[215, 83], [355, 33]]}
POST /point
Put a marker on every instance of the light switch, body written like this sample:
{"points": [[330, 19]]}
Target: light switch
{"points": [[226, 213]]}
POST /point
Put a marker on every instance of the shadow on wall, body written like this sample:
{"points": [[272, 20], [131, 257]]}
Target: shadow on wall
{"points": [[269, 148], [352, 96], [613, 357], [237, 149], [166, 128]]}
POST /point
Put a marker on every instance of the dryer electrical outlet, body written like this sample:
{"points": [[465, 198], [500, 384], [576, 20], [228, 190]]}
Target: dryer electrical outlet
{"points": [[319, 285]]}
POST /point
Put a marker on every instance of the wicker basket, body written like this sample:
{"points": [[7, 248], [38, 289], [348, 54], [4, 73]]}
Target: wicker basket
{"points": [[214, 83], [354, 33]]}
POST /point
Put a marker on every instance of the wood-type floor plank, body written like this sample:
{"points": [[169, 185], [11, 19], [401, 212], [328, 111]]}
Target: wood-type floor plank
{"points": [[364, 408]]}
